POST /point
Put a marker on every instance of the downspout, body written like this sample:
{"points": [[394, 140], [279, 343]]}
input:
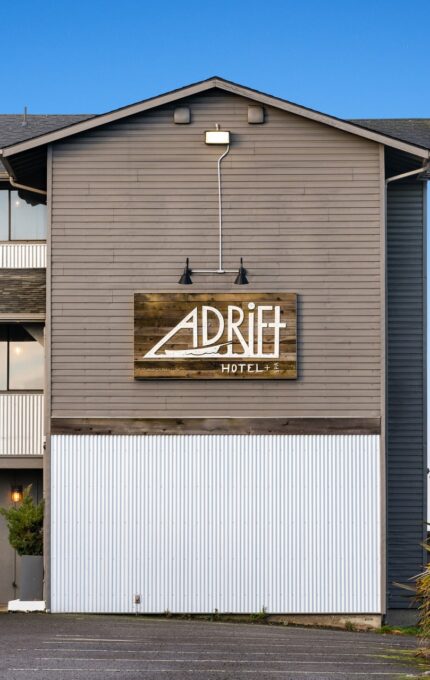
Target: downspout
{"points": [[25, 187], [18, 185], [424, 168]]}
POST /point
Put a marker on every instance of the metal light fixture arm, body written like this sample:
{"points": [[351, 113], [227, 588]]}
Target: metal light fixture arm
{"points": [[220, 269]]}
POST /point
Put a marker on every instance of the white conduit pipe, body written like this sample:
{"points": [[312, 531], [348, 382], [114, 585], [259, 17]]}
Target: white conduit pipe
{"points": [[220, 269]]}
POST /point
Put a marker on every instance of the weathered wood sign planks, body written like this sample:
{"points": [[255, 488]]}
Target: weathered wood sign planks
{"points": [[219, 336]]}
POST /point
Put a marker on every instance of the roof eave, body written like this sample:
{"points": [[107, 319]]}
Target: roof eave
{"points": [[106, 118], [203, 86]]}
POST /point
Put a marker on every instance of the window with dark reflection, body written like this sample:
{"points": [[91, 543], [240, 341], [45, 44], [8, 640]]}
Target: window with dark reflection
{"points": [[4, 215], [21, 356], [27, 221]]}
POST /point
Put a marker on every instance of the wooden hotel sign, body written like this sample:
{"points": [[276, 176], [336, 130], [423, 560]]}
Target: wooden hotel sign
{"points": [[219, 336]]}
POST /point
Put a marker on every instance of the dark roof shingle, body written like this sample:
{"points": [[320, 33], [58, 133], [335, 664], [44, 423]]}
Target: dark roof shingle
{"points": [[411, 130], [14, 129]]}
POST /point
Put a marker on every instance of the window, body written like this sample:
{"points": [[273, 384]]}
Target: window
{"points": [[20, 220], [21, 356], [4, 215]]}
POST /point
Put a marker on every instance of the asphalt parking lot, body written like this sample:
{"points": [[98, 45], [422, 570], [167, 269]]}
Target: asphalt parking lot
{"points": [[41, 647]]}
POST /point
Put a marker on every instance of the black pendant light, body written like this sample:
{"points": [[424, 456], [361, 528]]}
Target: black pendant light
{"points": [[186, 279], [241, 279]]}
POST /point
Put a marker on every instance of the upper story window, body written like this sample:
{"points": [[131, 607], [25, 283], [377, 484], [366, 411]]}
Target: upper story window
{"points": [[21, 356], [19, 219]]}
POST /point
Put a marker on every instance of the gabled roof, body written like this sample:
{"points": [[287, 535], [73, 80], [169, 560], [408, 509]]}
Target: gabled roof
{"points": [[215, 82]]}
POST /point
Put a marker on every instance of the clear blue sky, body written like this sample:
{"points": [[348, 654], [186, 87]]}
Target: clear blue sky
{"points": [[350, 59]]}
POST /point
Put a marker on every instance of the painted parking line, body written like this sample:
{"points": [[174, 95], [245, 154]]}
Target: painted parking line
{"points": [[285, 644], [229, 661], [209, 670], [242, 652]]}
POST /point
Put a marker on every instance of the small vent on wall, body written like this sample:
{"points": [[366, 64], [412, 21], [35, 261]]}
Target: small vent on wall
{"points": [[255, 114], [182, 115]]}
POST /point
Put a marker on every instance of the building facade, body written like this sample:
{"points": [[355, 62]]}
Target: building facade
{"points": [[231, 436]]}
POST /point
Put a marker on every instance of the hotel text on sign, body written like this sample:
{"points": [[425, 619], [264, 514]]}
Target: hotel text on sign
{"points": [[219, 336]]}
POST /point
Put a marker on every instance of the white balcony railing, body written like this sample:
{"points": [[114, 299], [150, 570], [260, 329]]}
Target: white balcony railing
{"points": [[22, 255], [21, 424]]}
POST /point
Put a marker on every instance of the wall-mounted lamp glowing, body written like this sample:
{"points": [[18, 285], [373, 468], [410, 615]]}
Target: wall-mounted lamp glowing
{"points": [[186, 279], [16, 494]]}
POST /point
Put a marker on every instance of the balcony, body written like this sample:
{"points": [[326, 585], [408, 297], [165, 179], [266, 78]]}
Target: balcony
{"points": [[21, 393], [21, 424], [22, 231], [22, 255]]}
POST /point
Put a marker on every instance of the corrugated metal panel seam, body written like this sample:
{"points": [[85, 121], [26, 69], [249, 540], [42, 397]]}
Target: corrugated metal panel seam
{"points": [[228, 522]]}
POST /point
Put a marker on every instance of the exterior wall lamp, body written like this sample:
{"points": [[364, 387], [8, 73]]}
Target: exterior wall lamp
{"points": [[241, 279], [186, 280], [217, 136], [16, 494]]}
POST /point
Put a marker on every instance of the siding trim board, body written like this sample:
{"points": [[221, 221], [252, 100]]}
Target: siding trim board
{"points": [[384, 336], [48, 387], [21, 462], [189, 426]]}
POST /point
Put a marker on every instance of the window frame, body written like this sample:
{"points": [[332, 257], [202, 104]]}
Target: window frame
{"points": [[15, 391], [9, 223]]}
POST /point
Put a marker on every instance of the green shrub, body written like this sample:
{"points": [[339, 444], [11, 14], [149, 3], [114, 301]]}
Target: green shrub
{"points": [[423, 597], [420, 592], [25, 524]]}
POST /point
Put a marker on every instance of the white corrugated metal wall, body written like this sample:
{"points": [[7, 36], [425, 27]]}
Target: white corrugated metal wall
{"points": [[21, 424], [235, 523], [22, 255]]}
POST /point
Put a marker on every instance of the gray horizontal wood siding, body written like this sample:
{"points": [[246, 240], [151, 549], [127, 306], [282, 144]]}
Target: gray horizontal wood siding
{"points": [[301, 204], [406, 401]]}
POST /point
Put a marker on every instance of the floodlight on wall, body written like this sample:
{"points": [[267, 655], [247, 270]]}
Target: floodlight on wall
{"points": [[217, 136], [16, 494]]}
